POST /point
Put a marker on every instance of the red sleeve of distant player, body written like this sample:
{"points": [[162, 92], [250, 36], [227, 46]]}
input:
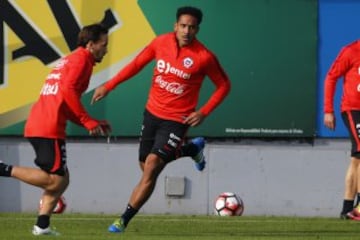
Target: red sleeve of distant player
{"points": [[143, 58], [72, 95], [339, 67], [222, 84]]}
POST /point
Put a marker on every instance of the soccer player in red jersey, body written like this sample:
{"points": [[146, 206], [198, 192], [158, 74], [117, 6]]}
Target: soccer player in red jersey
{"points": [[59, 102], [182, 62], [347, 65]]}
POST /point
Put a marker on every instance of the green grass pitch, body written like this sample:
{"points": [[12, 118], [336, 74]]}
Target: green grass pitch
{"points": [[16, 226]]}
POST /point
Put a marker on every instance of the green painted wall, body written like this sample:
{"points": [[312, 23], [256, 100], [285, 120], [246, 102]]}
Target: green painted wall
{"points": [[267, 47]]}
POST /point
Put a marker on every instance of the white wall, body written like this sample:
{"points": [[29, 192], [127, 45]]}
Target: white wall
{"points": [[272, 178]]}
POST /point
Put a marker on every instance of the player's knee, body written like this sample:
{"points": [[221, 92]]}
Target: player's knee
{"points": [[57, 183], [153, 166]]}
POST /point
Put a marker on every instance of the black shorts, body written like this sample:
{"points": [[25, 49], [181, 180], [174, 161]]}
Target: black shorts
{"points": [[161, 137], [352, 122], [50, 155]]}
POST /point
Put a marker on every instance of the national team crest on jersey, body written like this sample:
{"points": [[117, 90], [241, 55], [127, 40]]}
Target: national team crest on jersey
{"points": [[188, 62]]}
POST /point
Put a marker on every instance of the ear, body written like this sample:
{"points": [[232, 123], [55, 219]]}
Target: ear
{"points": [[175, 26], [89, 46]]}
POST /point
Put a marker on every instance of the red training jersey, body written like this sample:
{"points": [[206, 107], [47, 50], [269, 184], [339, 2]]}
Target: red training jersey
{"points": [[177, 78], [347, 65], [59, 99]]}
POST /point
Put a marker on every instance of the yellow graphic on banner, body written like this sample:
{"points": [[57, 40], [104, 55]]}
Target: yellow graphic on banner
{"points": [[23, 77]]}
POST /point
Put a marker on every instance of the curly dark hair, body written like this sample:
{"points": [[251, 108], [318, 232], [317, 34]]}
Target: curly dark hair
{"points": [[193, 11], [91, 32]]}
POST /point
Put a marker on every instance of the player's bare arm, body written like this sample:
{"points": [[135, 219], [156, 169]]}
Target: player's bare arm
{"points": [[99, 93]]}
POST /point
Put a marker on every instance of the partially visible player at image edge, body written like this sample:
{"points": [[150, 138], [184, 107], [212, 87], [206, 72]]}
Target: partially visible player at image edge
{"points": [[59, 102], [182, 62], [347, 65]]}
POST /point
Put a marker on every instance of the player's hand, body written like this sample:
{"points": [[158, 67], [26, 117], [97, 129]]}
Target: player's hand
{"points": [[102, 129], [106, 128], [194, 119], [99, 93], [330, 121]]}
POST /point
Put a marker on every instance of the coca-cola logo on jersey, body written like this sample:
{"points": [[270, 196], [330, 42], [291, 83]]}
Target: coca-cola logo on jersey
{"points": [[173, 87]]}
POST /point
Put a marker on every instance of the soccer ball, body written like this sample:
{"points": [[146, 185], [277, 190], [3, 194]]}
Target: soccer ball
{"points": [[60, 205], [228, 204]]}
